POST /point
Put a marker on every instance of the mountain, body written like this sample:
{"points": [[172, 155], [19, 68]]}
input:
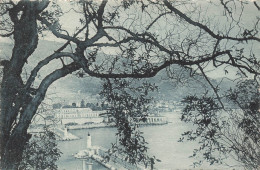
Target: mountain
{"points": [[72, 87]]}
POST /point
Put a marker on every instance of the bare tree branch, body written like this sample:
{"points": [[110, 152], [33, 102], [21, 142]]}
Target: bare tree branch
{"points": [[7, 35], [40, 93], [53, 29], [100, 13], [256, 5], [43, 63], [204, 27], [211, 85]]}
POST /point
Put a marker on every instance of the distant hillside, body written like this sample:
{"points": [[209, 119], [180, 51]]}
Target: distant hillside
{"points": [[73, 87], [168, 89]]}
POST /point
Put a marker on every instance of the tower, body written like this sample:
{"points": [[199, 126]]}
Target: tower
{"points": [[65, 132], [88, 141]]}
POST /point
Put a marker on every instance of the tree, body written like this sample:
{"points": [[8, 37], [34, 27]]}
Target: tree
{"points": [[226, 133], [41, 152], [187, 38], [56, 106], [82, 103], [73, 105], [129, 105], [246, 148]]}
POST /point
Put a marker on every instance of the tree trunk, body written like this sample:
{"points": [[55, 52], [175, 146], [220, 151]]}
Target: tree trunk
{"points": [[12, 142], [10, 106], [14, 138], [14, 97], [14, 151]]}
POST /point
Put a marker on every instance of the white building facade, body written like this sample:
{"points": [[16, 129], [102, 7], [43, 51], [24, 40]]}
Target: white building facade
{"points": [[78, 115]]}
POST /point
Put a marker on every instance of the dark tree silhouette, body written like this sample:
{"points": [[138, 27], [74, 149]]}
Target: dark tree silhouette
{"points": [[147, 37], [41, 152], [230, 133]]}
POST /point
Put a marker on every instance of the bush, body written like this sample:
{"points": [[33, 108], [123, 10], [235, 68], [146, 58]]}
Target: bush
{"points": [[41, 152]]}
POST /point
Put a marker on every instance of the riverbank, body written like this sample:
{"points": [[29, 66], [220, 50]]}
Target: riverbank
{"points": [[63, 134], [103, 125], [90, 126]]}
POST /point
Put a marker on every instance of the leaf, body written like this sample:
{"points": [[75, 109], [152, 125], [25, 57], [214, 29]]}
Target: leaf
{"points": [[158, 160]]}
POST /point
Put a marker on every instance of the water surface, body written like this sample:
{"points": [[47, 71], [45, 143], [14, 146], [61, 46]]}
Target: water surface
{"points": [[162, 139]]}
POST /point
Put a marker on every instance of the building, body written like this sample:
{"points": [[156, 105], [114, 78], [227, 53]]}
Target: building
{"points": [[67, 113], [78, 115]]}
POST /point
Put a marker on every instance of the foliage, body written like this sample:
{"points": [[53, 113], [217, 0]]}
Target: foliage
{"points": [[188, 36], [247, 97], [41, 152], [128, 106], [228, 134]]}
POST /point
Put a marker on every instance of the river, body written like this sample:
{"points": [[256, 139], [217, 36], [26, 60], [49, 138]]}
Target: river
{"points": [[162, 139]]}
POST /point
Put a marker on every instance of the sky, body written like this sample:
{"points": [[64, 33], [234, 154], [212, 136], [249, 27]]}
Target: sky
{"points": [[70, 20]]}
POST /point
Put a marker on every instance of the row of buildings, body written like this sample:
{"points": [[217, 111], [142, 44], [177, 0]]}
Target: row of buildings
{"points": [[81, 116]]}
